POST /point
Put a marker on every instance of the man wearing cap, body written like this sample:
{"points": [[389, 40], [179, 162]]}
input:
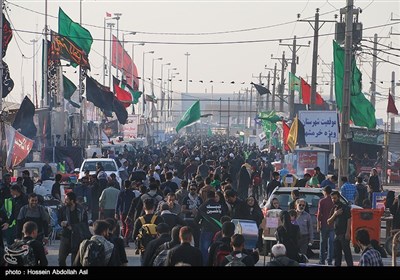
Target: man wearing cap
{"points": [[326, 231]]}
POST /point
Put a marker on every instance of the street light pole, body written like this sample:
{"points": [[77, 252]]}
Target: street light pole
{"points": [[162, 94], [143, 79], [111, 25], [152, 75], [187, 71], [117, 17]]}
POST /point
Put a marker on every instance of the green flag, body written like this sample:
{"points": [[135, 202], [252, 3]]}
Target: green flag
{"points": [[74, 31], [270, 116], [69, 89], [135, 94], [362, 113], [191, 115], [269, 128], [294, 82], [209, 132]]}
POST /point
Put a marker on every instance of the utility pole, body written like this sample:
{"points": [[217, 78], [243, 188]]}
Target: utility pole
{"points": [[348, 49], [316, 28], [273, 89], [281, 87], [187, 71], [331, 75], [374, 64], [294, 48], [392, 119], [267, 105], [33, 41]]}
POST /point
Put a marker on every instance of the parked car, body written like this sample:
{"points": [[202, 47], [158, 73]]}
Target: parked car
{"points": [[109, 164], [310, 195]]}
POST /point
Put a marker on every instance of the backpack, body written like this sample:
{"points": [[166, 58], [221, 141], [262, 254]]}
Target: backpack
{"points": [[235, 261], [221, 252], [20, 254], [161, 257], [146, 233], [94, 253]]}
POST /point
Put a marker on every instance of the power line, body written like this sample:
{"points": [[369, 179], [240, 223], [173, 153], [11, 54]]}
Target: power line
{"points": [[177, 33]]}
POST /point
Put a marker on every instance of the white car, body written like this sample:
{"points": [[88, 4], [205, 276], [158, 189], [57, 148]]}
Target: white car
{"points": [[109, 164]]}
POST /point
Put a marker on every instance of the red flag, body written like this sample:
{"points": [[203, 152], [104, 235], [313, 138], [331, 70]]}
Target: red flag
{"points": [[306, 93], [286, 130], [123, 96], [391, 107], [108, 14], [18, 146], [125, 63]]}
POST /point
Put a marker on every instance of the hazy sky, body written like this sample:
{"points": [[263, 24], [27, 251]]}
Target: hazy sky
{"points": [[262, 23]]}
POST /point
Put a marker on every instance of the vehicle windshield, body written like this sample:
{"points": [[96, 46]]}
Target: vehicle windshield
{"points": [[91, 166], [312, 200]]}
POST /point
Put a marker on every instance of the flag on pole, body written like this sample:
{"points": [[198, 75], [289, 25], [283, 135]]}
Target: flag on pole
{"points": [[191, 115], [294, 82], [286, 130], [362, 113], [123, 96], [18, 146], [69, 88], [391, 106], [261, 90], [24, 118], [74, 31], [108, 14], [292, 136], [7, 34], [306, 94]]}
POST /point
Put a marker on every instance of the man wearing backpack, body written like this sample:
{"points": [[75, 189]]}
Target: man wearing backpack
{"points": [[218, 250], [36, 255], [237, 257], [96, 251], [73, 219], [184, 253], [144, 229]]}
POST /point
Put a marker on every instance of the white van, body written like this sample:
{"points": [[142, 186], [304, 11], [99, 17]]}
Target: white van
{"points": [[109, 164]]}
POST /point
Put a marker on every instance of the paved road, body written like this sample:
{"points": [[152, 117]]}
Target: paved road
{"points": [[133, 260]]}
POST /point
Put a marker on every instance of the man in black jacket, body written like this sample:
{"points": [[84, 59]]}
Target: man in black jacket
{"points": [[164, 235], [30, 231], [184, 253], [74, 222]]}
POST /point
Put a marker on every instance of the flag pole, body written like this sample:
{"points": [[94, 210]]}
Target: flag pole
{"points": [[386, 157]]}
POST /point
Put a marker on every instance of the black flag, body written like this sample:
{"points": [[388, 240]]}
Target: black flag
{"points": [[301, 138], [261, 90], [24, 119], [99, 95], [8, 83]]}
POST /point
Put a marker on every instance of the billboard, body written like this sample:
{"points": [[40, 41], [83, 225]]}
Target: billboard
{"points": [[130, 129], [320, 127]]}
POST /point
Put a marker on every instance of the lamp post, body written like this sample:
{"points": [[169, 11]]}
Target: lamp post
{"points": [[117, 17], [110, 25], [104, 50], [162, 94], [152, 74], [168, 90], [187, 71], [143, 79]]}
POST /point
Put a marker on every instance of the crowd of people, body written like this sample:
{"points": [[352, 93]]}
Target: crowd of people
{"points": [[176, 204]]}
